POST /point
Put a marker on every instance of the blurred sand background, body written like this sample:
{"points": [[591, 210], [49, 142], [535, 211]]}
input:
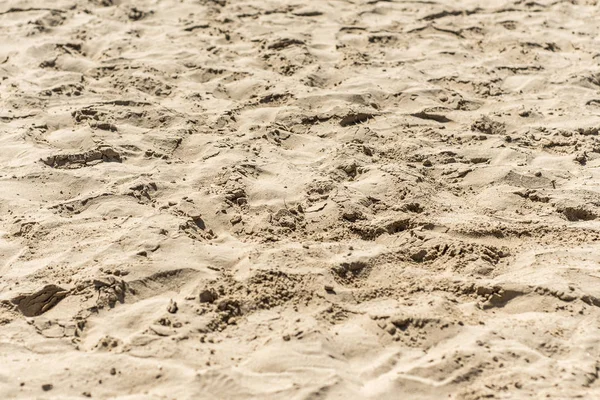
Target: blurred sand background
{"points": [[220, 199]]}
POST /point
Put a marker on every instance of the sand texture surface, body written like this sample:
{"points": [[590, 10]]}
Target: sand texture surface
{"points": [[278, 199]]}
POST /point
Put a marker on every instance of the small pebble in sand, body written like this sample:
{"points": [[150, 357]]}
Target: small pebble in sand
{"points": [[172, 307]]}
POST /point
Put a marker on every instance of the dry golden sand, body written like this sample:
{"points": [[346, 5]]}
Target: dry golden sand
{"points": [[221, 199]]}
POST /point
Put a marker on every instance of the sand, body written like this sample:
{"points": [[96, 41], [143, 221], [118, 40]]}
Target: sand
{"points": [[219, 199]]}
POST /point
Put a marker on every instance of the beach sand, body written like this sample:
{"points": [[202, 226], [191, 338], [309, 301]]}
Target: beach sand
{"points": [[219, 199]]}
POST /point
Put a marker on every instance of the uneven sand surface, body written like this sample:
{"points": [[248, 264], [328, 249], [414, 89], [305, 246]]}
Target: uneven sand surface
{"points": [[353, 199]]}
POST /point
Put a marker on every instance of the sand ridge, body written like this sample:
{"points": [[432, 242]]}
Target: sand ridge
{"points": [[217, 199]]}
